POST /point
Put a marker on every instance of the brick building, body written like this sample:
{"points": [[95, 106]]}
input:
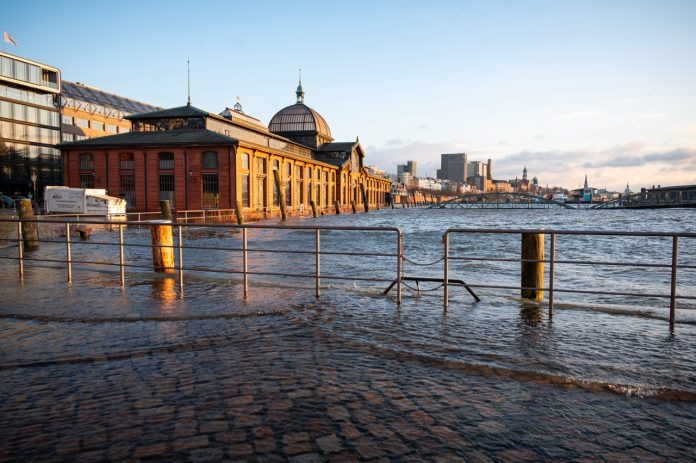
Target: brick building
{"points": [[201, 160]]}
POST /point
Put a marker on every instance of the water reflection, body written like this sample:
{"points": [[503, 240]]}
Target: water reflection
{"points": [[165, 291], [531, 314]]}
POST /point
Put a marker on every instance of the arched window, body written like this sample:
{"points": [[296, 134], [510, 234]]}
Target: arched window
{"points": [[127, 161], [166, 161], [209, 160], [86, 161]]}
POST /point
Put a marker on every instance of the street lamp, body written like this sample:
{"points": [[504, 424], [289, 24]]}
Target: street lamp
{"points": [[33, 181]]}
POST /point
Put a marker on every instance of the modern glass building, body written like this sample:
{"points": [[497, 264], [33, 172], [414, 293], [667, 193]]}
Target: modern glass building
{"points": [[29, 126]]}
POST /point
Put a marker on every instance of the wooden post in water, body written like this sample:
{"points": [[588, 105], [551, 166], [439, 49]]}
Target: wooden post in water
{"points": [[352, 204], [166, 210], [281, 196], [338, 207], [364, 197], [30, 231], [238, 213], [313, 205], [162, 246], [532, 272]]}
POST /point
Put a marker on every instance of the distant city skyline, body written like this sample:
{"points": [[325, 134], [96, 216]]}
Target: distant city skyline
{"points": [[567, 89]]}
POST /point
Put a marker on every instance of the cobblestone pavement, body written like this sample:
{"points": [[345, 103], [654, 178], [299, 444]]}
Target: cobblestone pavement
{"points": [[275, 388]]}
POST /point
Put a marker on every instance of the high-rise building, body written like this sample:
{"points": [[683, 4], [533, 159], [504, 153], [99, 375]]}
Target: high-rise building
{"points": [[453, 167], [408, 168], [29, 126], [475, 168]]}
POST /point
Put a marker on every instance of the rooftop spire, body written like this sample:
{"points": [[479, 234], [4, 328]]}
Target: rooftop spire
{"points": [[188, 70], [299, 92], [585, 182]]}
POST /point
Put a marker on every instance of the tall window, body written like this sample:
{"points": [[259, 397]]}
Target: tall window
{"points": [[211, 191], [317, 187], [166, 188], [288, 184], [245, 160], [166, 161], [127, 161], [86, 162], [209, 160], [310, 190], [260, 196], [128, 190], [245, 191], [299, 191], [276, 198]]}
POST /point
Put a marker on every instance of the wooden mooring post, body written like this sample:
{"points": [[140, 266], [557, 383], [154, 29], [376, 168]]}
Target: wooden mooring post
{"points": [[364, 197], [30, 231], [338, 207], [313, 205], [166, 210], [532, 268], [281, 196], [162, 246], [352, 205], [238, 213]]}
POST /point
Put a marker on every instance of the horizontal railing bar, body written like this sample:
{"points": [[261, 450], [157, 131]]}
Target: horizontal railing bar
{"points": [[230, 226], [576, 262], [569, 232], [579, 291]]}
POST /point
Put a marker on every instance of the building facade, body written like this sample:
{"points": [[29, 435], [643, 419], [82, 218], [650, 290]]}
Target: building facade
{"points": [[453, 167], [88, 112], [29, 126], [202, 160]]}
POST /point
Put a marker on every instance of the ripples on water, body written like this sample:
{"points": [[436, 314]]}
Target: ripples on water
{"points": [[597, 342]]}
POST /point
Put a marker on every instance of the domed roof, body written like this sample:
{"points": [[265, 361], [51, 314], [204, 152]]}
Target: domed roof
{"points": [[299, 118]]}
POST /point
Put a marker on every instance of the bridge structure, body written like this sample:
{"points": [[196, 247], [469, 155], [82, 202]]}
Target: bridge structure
{"points": [[500, 200], [654, 198]]}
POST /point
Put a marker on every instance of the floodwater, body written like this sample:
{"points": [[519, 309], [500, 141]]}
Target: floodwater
{"points": [[491, 380]]}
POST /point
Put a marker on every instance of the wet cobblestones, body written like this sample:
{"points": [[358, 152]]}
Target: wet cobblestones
{"points": [[275, 389]]}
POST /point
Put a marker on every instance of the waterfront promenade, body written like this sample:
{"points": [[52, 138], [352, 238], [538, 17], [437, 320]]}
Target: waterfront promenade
{"points": [[93, 372]]}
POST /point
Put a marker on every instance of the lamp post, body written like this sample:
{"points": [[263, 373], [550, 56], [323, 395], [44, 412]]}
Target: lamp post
{"points": [[33, 181]]}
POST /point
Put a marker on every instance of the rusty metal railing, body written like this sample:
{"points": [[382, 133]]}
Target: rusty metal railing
{"points": [[69, 227], [673, 265]]}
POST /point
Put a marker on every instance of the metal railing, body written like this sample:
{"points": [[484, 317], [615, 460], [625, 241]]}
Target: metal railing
{"points": [[551, 289], [180, 246]]}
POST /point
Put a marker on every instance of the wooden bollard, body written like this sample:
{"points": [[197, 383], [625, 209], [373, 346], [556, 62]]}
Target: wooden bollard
{"points": [[238, 213], [162, 246], [30, 231], [313, 205], [352, 205], [281, 196], [364, 197], [166, 210], [532, 272], [338, 207]]}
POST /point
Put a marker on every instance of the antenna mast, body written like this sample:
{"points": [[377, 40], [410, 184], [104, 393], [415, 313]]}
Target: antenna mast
{"points": [[188, 66]]}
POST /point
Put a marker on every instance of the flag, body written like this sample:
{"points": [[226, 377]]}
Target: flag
{"points": [[8, 38]]}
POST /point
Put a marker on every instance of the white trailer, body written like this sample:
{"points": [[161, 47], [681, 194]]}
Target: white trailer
{"points": [[66, 200]]}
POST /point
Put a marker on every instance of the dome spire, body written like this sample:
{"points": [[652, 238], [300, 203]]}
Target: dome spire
{"points": [[299, 92]]}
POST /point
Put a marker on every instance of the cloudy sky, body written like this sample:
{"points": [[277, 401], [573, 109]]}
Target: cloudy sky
{"points": [[603, 88]]}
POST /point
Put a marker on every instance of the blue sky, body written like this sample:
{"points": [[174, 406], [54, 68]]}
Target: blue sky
{"points": [[566, 88]]}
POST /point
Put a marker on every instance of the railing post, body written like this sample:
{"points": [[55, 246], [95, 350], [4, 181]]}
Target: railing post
{"points": [[185, 216], [20, 247], [317, 261], [181, 260], [67, 250], [121, 260], [399, 270], [673, 283], [445, 280], [552, 258], [245, 263], [204, 216]]}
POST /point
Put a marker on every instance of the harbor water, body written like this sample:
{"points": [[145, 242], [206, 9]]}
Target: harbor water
{"points": [[495, 380]]}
